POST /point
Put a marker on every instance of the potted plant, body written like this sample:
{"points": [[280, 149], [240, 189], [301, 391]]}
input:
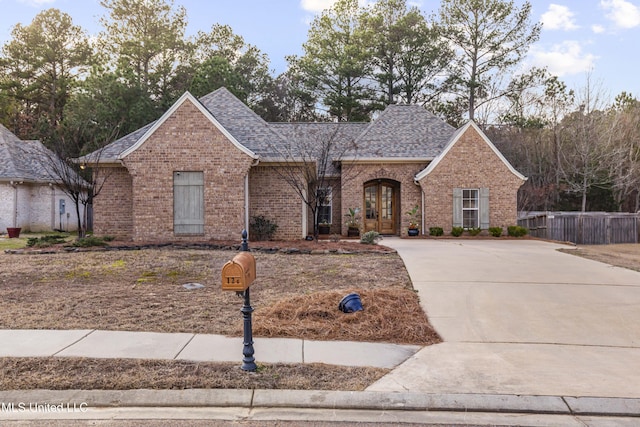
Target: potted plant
{"points": [[414, 217], [353, 222], [13, 232], [324, 227]]}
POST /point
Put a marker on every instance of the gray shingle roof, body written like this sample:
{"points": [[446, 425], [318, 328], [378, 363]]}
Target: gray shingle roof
{"points": [[309, 136], [248, 128], [24, 160], [404, 131], [401, 131]]}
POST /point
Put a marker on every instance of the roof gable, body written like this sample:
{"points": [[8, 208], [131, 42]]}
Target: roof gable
{"points": [[471, 126], [186, 97]]}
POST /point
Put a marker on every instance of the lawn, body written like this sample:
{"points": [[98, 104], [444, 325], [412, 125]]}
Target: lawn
{"points": [[295, 295]]}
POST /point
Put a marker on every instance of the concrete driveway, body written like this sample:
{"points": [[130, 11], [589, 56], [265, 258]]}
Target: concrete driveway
{"points": [[519, 317]]}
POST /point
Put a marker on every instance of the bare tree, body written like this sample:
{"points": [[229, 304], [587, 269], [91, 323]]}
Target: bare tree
{"points": [[625, 171], [313, 160], [80, 183], [587, 150]]}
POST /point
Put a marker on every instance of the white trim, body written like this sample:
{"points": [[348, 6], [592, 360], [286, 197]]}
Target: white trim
{"points": [[454, 139], [186, 96]]}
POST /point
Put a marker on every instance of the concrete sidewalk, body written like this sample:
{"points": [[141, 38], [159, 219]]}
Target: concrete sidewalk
{"points": [[198, 347]]}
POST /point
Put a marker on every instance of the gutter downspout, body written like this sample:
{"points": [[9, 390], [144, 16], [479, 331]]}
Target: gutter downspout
{"points": [[246, 196], [422, 221], [15, 203], [246, 203], [53, 206]]}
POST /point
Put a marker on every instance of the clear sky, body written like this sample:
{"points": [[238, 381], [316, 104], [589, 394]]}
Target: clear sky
{"points": [[579, 36]]}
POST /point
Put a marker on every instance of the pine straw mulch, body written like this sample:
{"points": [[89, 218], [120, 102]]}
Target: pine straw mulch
{"points": [[386, 311]]}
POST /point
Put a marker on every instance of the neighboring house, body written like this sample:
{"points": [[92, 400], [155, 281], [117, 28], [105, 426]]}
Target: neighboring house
{"points": [[207, 166], [30, 197]]}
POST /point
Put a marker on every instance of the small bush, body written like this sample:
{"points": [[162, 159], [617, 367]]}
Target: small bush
{"points": [[474, 231], [436, 231], [370, 237], [89, 241], [495, 231], [262, 228], [45, 241], [335, 238], [457, 231], [517, 231]]}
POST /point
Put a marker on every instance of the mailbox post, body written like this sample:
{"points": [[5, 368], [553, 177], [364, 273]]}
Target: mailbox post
{"points": [[237, 275]]}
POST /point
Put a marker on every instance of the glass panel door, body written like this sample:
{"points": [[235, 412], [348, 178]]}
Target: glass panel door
{"points": [[371, 207], [387, 205], [380, 207]]}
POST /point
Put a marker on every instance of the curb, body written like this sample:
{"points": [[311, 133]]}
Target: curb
{"points": [[315, 399]]}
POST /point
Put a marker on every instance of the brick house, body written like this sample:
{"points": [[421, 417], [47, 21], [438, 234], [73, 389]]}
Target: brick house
{"points": [[207, 167]]}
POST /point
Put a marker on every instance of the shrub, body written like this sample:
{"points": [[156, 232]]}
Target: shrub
{"points": [[86, 242], [474, 231], [262, 228], [495, 231], [370, 237], [45, 241], [517, 231], [436, 231], [457, 231]]}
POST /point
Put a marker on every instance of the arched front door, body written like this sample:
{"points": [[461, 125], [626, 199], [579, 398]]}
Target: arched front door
{"points": [[380, 206]]}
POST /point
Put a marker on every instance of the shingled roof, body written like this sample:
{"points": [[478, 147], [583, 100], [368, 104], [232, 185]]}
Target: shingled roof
{"points": [[400, 132], [404, 131], [24, 161], [248, 128]]}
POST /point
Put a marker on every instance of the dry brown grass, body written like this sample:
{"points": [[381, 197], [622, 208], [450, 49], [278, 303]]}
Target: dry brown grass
{"points": [[142, 291], [127, 374], [295, 295], [626, 255]]}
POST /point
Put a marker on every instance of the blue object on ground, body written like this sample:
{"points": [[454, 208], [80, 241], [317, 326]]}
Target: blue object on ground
{"points": [[350, 303]]}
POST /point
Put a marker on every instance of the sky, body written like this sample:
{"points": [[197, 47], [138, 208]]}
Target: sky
{"points": [[595, 39]]}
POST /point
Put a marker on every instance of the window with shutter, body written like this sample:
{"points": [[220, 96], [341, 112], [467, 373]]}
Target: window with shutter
{"points": [[471, 208], [188, 202]]}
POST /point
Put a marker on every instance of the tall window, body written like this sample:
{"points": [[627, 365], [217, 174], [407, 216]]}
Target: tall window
{"points": [[324, 205], [188, 202], [470, 208]]}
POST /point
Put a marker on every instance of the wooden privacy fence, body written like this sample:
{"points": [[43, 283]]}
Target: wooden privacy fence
{"points": [[585, 228]]}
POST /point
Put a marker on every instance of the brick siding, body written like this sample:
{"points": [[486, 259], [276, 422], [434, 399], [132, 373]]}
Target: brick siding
{"points": [[470, 163], [185, 141], [113, 207], [276, 200], [357, 174]]}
